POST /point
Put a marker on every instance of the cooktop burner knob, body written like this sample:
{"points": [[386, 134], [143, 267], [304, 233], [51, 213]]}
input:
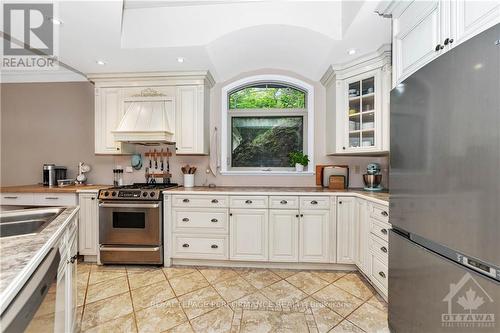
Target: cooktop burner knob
{"points": [[152, 194], [106, 193], [144, 194], [113, 193]]}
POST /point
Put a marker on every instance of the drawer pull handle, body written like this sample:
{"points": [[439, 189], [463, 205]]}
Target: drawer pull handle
{"points": [[10, 197], [214, 220], [248, 201], [283, 202], [51, 198], [382, 274], [185, 219], [384, 231], [72, 259], [214, 246], [185, 245], [314, 202], [185, 200], [215, 201], [384, 213], [383, 249]]}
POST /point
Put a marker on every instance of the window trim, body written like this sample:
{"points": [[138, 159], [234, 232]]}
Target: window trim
{"points": [[225, 123]]}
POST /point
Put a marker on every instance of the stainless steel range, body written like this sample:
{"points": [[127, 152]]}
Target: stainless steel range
{"points": [[131, 224]]}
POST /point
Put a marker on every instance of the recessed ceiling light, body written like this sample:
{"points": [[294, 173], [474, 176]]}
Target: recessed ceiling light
{"points": [[55, 21], [351, 51], [100, 62], [180, 60]]}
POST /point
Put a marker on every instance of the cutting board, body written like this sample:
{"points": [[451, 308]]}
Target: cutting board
{"points": [[319, 171]]}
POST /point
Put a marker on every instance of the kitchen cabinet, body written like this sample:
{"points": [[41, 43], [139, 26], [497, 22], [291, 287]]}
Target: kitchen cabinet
{"points": [[314, 235], [346, 237], [39, 199], [472, 17], [358, 105], [88, 228], [363, 236], [284, 235], [248, 234]]}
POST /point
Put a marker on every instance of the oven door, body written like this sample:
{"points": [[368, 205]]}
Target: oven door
{"points": [[130, 223]]}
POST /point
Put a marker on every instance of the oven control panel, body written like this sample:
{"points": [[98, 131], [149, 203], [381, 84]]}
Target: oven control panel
{"points": [[116, 194]]}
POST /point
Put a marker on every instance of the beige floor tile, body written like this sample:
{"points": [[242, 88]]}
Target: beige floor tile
{"points": [[378, 302], [172, 272], [160, 317], [214, 275], [105, 310], [182, 328], [101, 275], [307, 282], [370, 319], [324, 317], [255, 301], [118, 325], [82, 277], [141, 268], [81, 292], [216, 321], [338, 300], [152, 294], [330, 276], [260, 278], [234, 288], [186, 283], [283, 293], [272, 321], [109, 268], [284, 273], [346, 327], [141, 279], [106, 289], [356, 285], [83, 268], [200, 301]]}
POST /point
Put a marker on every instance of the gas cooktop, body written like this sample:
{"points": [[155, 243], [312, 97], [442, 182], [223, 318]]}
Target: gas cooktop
{"points": [[136, 191]]}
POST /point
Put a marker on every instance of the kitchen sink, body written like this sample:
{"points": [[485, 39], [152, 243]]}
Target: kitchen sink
{"points": [[26, 221]]}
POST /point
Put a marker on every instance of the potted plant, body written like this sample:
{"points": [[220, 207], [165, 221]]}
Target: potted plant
{"points": [[299, 160]]}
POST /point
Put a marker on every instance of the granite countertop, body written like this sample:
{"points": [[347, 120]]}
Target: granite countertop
{"points": [[264, 190], [21, 255], [38, 188]]}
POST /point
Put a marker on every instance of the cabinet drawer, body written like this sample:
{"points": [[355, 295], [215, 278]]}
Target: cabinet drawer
{"points": [[202, 201], [380, 213], [379, 273], [210, 220], [54, 199], [248, 201], [283, 202], [379, 248], [17, 199], [314, 203], [200, 247], [380, 229]]}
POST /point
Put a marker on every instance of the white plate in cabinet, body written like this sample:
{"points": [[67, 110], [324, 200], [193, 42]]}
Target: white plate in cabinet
{"points": [[314, 203], [379, 273], [314, 235], [380, 229], [283, 202], [54, 199], [248, 229], [379, 248], [200, 247], [200, 201], [248, 201], [17, 199], [189, 220], [284, 235]]}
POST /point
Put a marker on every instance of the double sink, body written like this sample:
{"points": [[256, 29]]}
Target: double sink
{"points": [[26, 220]]}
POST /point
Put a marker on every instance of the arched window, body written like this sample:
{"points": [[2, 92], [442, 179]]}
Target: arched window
{"points": [[264, 120]]}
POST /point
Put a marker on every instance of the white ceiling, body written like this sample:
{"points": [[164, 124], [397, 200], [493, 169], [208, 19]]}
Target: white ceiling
{"points": [[225, 37]]}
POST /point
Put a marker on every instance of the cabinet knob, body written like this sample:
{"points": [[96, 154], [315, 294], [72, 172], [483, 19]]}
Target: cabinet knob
{"points": [[185, 219], [301, 215], [283, 202], [185, 200], [230, 214], [438, 47], [382, 274], [451, 40], [214, 246], [383, 249], [72, 259], [314, 202], [384, 213], [215, 201], [248, 201], [92, 198], [297, 215], [340, 202], [214, 220], [384, 231], [446, 41], [343, 148], [117, 148], [185, 245]]}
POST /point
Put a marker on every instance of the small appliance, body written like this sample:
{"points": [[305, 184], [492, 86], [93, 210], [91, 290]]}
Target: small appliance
{"points": [[373, 177]]}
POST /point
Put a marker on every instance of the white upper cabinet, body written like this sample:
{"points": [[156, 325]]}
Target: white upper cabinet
{"points": [[472, 17], [358, 105]]}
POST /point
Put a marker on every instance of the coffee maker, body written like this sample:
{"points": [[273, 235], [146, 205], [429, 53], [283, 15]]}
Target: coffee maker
{"points": [[373, 177]]}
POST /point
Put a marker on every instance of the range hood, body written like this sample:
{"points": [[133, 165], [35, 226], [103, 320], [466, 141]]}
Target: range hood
{"points": [[148, 119]]}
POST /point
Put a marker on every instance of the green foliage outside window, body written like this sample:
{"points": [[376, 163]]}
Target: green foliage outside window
{"points": [[267, 96]]}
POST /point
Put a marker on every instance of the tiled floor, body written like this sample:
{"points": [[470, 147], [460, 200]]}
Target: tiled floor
{"points": [[202, 299]]}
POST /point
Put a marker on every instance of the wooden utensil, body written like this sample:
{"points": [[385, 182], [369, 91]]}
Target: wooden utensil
{"points": [[336, 183]]}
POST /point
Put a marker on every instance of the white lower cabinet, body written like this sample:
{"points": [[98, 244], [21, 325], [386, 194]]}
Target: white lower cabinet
{"points": [[88, 228], [248, 234], [284, 235], [363, 258], [314, 235], [346, 237]]}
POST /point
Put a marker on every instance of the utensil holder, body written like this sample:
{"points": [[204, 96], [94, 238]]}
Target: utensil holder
{"points": [[188, 180]]}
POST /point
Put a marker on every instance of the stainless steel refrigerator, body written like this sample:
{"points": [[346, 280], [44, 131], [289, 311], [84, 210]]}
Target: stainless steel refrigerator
{"points": [[444, 249]]}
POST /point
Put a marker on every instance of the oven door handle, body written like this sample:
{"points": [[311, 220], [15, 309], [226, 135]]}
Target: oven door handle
{"points": [[129, 249], [128, 205]]}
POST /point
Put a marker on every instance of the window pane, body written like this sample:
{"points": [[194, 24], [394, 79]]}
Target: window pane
{"points": [[265, 141], [267, 96]]}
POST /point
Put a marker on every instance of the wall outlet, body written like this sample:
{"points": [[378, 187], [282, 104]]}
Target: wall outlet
{"points": [[357, 169], [129, 169]]}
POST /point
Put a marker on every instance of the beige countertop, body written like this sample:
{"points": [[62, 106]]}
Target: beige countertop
{"points": [[38, 188]]}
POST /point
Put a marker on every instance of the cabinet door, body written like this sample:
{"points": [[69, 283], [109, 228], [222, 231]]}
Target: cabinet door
{"points": [[345, 230], [473, 17], [71, 284], [107, 116], [417, 32], [283, 235], [314, 235], [88, 226], [249, 234], [61, 295], [190, 122], [363, 237]]}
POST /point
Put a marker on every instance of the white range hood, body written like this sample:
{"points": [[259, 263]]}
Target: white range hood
{"points": [[149, 118]]}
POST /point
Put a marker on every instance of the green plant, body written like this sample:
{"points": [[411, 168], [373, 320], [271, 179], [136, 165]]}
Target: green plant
{"points": [[298, 157]]}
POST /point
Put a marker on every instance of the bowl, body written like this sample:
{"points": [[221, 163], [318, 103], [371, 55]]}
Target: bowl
{"points": [[372, 181]]}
